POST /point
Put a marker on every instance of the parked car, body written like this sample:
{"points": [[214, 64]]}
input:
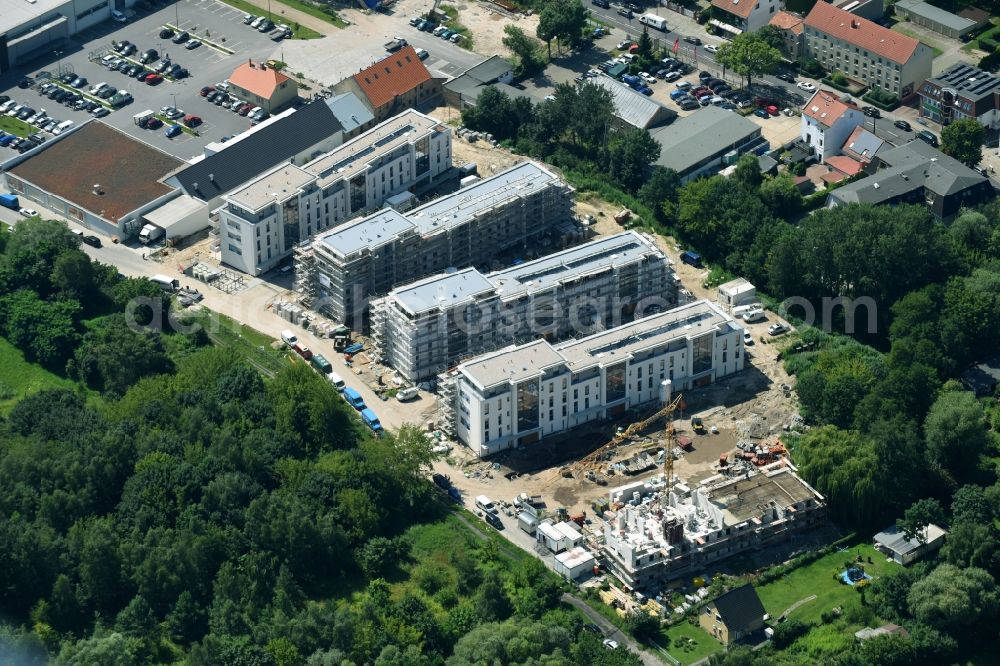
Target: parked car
{"points": [[152, 79], [166, 33], [153, 123], [180, 38], [929, 137], [79, 82], [785, 76], [149, 56], [118, 17], [805, 85], [647, 77], [777, 329], [192, 121], [28, 212], [248, 19], [761, 113], [871, 112], [173, 131], [903, 125], [100, 112], [193, 44], [206, 90], [92, 241], [610, 644], [747, 339], [711, 48]]}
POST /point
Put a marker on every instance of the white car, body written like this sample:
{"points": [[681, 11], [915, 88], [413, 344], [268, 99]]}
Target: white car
{"points": [[747, 338], [28, 212], [711, 48], [118, 16], [610, 644], [777, 329], [805, 85], [647, 77]]}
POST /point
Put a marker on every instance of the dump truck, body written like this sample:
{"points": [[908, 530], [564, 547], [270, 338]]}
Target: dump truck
{"points": [[698, 426]]}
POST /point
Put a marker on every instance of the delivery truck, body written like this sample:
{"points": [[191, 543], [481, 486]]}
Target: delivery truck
{"points": [[10, 201], [150, 233]]}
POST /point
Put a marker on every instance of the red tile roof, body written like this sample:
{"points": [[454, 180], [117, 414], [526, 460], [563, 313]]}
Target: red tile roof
{"points": [[126, 170], [392, 76], [787, 21], [741, 8], [861, 32], [844, 164], [825, 108], [257, 78]]}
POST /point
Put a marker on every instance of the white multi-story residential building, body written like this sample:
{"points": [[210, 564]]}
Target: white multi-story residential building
{"points": [[261, 222], [827, 122], [865, 51], [425, 327], [367, 258], [521, 394]]}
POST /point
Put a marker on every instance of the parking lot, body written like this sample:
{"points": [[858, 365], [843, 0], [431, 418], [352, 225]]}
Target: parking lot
{"points": [[204, 20]]}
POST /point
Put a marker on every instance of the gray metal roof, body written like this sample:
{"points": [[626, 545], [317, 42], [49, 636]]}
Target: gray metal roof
{"points": [[462, 206], [442, 291], [16, 14], [936, 14], [489, 70], [517, 363], [910, 166], [705, 132], [350, 111], [894, 539], [969, 82], [634, 107], [597, 255], [865, 144]]}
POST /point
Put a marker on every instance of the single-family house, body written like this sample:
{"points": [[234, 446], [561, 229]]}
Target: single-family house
{"points": [[263, 86], [894, 544], [827, 120], [745, 15], [734, 615]]}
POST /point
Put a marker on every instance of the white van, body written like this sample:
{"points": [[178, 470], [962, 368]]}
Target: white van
{"points": [[741, 310], [486, 504], [62, 127], [754, 316], [288, 338], [408, 393], [336, 381], [98, 88]]}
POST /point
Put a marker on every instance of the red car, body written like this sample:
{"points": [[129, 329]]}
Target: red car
{"points": [[207, 89], [192, 121], [245, 109], [152, 79], [153, 123], [772, 109]]}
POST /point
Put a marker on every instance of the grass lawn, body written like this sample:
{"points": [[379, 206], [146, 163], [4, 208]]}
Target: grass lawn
{"points": [[899, 27], [308, 8], [817, 578], [20, 378], [14, 126], [298, 31], [688, 644], [248, 342], [453, 24]]}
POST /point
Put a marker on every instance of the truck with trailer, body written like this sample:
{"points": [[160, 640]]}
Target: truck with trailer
{"points": [[654, 21], [150, 233]]}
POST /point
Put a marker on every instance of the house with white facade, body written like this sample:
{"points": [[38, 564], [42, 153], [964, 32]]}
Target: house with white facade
{"points": [[521, 394], [827, 121], [736, 16]]}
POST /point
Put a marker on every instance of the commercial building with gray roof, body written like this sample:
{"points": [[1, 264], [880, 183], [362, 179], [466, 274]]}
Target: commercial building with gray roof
{"points": [[464, 89], [424, 328], [634, 108], [961, 91], [699, 144], [368, 257], [917, 173], [523, 393]]}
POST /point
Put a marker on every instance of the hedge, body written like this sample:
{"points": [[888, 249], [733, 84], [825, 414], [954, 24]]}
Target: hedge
{"points": [[867, 97]]}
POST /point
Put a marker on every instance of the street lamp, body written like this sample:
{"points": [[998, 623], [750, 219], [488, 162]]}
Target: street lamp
{"points": [[173, 96], [177, 16], [58, 55]]}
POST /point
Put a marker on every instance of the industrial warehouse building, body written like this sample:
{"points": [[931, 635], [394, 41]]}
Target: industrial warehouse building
{"points": [[261, 222], [935, 18], [366, 258], [699, 144], [424, 328], [521, 394]]}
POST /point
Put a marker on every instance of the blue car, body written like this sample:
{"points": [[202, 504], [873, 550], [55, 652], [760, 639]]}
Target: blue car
{"points": [[646, 90], [173, 131], [7, 140]]}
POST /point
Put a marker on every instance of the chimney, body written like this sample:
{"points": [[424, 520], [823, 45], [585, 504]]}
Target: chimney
{"points": [[211, 177], [855, 24], [250, 62]]}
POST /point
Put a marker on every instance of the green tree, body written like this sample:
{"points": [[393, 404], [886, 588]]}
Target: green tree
{"points": [[955, 600], [524, 48], [747, 171], [378, 555], [963, 140], [659, 192], [748, 55], [772, 36], [630, 154], [781, 195], [44, 331], [973, 545], [956, 432], [112, 356], [921, 513], [970, 503], [73, 276], [492, 113]]}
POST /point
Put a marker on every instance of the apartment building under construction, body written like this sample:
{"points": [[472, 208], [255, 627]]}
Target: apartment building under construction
{"points": [[423, 328], [347, 266]]}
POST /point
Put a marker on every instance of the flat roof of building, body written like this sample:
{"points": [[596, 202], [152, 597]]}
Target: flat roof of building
{"points": [[444, 213], [172, 212], [741, 500], [656, 330], [968, 81], [353, 156], [575, 557], [442, 291], [16, 13], [127, 170], [597, 255], [518, 363], [277, 184], [689, 140], [459, 208]]}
